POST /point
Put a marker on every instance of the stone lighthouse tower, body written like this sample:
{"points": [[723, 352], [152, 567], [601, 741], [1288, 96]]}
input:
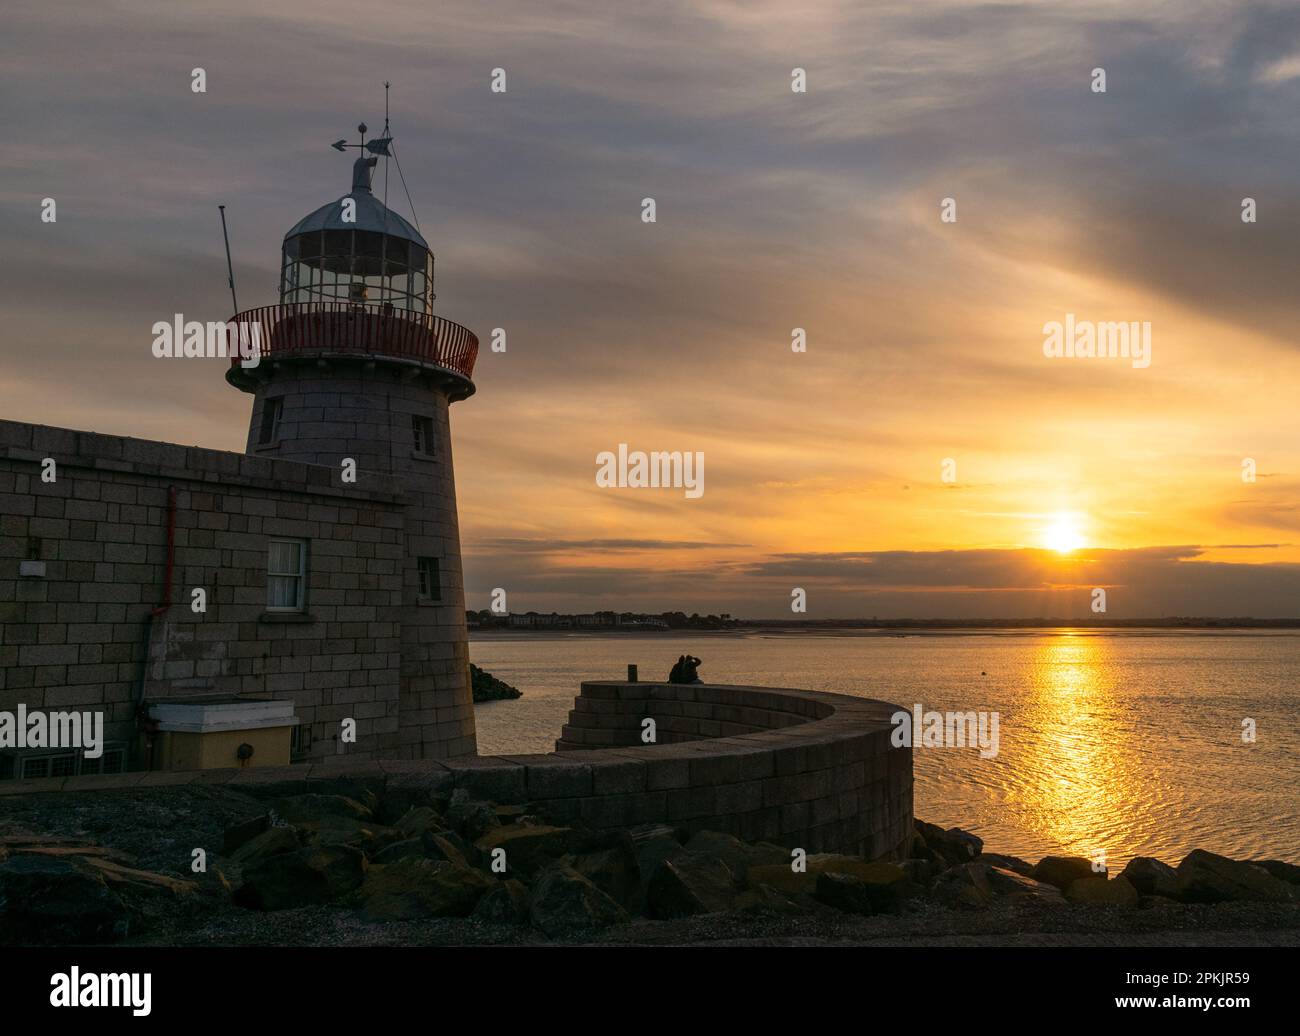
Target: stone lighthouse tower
{"points": [[356, 367]]}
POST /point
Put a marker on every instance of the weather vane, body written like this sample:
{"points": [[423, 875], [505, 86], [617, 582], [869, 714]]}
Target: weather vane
{"points": [[378, 146]]}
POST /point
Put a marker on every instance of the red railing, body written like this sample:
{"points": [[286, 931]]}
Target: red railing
{"points": [[368, 330]]}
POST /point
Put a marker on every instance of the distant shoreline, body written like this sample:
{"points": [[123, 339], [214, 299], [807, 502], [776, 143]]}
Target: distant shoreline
{"points": [[1280, 627]]}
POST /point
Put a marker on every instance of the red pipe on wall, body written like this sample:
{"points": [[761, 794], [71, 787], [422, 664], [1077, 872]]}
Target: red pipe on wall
{"points": [[147, 725]]}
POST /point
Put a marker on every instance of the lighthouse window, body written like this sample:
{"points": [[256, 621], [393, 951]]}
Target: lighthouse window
{"points": [[422, 433], [430, 587], [271, 411], [286, 575]]}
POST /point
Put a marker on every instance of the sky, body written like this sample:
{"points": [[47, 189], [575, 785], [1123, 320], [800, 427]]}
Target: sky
{"points": [[922, 458]]}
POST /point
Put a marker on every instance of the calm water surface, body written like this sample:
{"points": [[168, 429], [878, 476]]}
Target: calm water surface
{"points": [[1126, 743]]}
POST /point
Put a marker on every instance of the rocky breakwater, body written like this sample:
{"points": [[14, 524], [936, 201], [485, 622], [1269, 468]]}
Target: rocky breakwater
{"points": [[384, 858]]}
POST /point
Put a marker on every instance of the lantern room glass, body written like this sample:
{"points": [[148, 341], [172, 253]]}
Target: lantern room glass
{"points": [[357, 266]]}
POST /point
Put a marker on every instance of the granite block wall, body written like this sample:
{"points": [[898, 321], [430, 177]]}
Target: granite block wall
{"points": [[78, 635]]}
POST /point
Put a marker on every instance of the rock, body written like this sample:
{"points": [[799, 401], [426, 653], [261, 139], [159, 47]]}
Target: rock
{"points": [[1287, 872], [243, 832], [527, 849], [975, 885], [844, 892], [563, 901], [1005, 884], [407, 849], [1151, 877], [46, 900], [1062, 870], [613, 871], [763, 899], [1007, 863], [271, 842], [780, 876], [965, 887], [689, 883], [418, 820], [471, 817], [921, 872], [1098, 890], [952, 847], [312, 874], [652, 851], [486, 687], [737, 855], [505, 903], [416, 888], [1205, 877], [130, 881], [297, 808], [445, 845], [336, 830]]}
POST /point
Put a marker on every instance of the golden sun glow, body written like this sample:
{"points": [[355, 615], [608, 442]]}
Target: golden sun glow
{"points": [[1063, 534]]}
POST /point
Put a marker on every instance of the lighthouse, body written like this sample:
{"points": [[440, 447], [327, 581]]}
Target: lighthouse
{"points": [[357, 374]]}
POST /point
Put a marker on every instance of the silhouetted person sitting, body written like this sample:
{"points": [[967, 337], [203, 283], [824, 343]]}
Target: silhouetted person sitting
{"points": [[686, 670]]}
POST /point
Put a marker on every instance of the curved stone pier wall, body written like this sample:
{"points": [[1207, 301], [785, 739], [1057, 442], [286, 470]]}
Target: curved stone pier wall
{"points": [[803, 769], [794, 767]]}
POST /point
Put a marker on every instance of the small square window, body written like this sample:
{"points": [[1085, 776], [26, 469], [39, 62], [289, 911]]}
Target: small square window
{"points": [[422, 433], [430, 587], [286, 575], [271, 411]]}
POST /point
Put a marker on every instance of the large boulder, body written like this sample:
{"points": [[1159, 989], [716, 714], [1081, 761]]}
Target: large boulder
{"points": [[975, 885], [411, 889], [445, 845], [1009, 884], [1098, 890], [1281, 870], [1062, 871], [419, 819], [407, 849], [965, 887], [312, 874], [505, 903], [613, 871], [563, 901], [1151, 877], [365, 835], [844, 892], [952, 847], [689, 883], [471, 817], [1206, 877], [272, 842], [1007, 863], [782, 877], [737, 855], [528, 848], [47, 900]]}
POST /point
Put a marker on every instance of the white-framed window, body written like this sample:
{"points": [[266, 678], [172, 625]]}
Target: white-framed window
{"points": [[286, 575]]}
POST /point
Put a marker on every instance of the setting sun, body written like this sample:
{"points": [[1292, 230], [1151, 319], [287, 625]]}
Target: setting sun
{"points": [[1063, 534]]}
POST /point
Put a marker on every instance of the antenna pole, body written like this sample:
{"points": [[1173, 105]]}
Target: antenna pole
{"points": [[230, 270], [389, 147]]}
